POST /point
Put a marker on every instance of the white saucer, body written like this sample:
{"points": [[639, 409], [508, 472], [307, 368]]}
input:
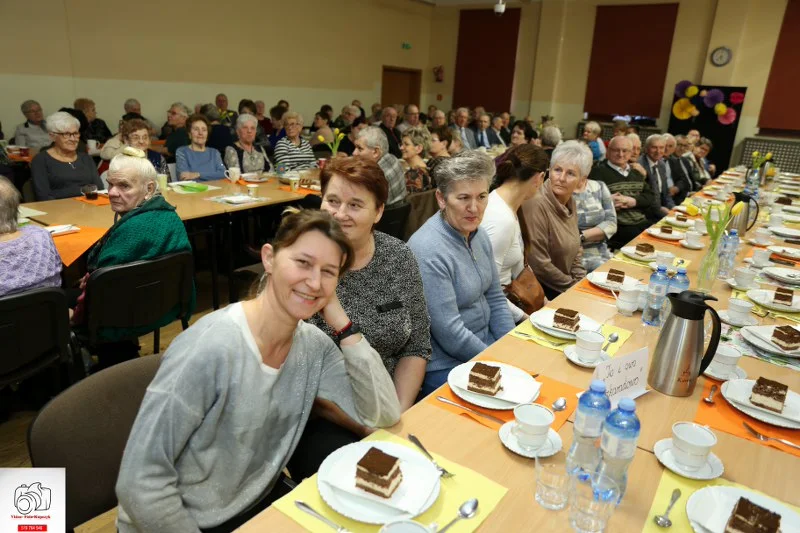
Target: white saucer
{"points": [[738, 373], [749, 261], [733, 284], [760, 244], [551, 447], [711, 470], [572, 354], [686, 245], [723, 315]]}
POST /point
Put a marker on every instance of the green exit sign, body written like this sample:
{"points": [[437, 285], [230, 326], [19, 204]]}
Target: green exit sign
{"points": [[406, 46]]}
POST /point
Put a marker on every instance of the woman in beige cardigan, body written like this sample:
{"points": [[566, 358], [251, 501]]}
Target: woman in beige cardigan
{"points": [[552, 218]]}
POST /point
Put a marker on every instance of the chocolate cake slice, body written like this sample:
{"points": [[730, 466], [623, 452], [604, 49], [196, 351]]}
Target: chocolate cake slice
{"points": [[667, 230], [747, 517], [615, 276], [785, 200], [644, 249], [378, 473], [484, 379], [783, 296], [769, 394], [786, 337], [681, 218], [566, 319]]}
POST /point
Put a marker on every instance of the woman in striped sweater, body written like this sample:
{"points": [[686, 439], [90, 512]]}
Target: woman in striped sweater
{"points": [[293, 152]]}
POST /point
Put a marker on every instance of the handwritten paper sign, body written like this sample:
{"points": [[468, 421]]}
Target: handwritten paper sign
{"points": [[625, 376]]}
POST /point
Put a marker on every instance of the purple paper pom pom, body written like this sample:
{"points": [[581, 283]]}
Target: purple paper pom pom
{"points": [[714, 97], [680, 88]]}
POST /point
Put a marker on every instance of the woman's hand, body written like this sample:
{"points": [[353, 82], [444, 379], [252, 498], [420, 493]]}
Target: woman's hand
{"points": [[189, 175], [334, 314]]}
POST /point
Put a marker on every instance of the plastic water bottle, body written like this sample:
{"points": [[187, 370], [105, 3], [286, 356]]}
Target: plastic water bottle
{"points": [[656, 294], [593, 407], [727, 254], [618, 444]]}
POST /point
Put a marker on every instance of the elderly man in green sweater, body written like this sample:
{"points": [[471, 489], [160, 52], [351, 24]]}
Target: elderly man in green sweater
{"points": [[633, 196]]}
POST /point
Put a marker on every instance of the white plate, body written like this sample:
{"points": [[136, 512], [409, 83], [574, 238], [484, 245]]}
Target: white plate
{"points": [[709, 508], [686, 245], [753, 242], [787, 275], [765, 334], [738, 373], [734, 285], [572, 354], [551, 446], [785, 251], [363, 509], [675, 222], [791, 208], [254, 177], [681, 208], [711, 470], [520, 379], [674, 236], [543, 319], [599, 279], [785, 232], [759, 343], [630, 251], [793, 219], [764, 298], [750, 321], [749, 260], [737, 393]]}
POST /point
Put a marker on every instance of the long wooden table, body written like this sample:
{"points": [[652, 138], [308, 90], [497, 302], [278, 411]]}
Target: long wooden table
{"points": [[471, 444]]}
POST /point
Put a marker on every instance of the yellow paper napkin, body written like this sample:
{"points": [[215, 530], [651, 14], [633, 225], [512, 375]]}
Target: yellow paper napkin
{"points": [[527, 332], [669, 482], [465, 484]]}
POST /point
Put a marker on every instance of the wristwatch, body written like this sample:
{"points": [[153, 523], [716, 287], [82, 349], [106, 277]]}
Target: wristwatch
{"points": [[349, 329], [583, 238]]}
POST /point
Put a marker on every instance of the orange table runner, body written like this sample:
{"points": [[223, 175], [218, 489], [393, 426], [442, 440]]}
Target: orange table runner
{"points": [[99, 201], [300, 190], [649, 237], [724, 417], [73, 245], [584, 286]]}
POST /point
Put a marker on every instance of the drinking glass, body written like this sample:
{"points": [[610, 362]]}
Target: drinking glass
{"points": [[592, 500], [552, 485]]}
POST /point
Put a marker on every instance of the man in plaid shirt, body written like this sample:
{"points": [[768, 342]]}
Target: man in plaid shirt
{"points": [[372, 143]]}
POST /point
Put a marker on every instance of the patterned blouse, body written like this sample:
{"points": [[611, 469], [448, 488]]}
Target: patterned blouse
{"points": [[418, 180], [596, 210], [252, 161]]}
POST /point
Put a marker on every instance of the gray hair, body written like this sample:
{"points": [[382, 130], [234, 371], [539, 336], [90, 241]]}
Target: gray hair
{"points": [[470, 165], [130, 104], [462, 110], [487, 115], [634, 138], [9, 206], [183, 108], [245, 118], [667, 137], [59, 121], [594, 127], [439, 112], [374, 137], [420, 136], [573, 153], [653, 138], [210, 111], [551, 136], [27, 105], [138, 168], [293, 114], [680, 137], [352, 109]]}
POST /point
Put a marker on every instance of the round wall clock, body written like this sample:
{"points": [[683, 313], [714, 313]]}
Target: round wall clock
{"points": [[721, 56]]}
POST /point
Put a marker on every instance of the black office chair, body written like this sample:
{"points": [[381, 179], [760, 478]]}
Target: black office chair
{"points": [[138, 294], [35, 335], [393, 221]]}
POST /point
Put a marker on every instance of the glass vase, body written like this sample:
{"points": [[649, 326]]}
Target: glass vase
{"points": [[709, 268]]}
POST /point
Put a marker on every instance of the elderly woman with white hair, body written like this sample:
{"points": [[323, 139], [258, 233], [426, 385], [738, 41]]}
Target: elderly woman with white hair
{"points": [[30, 259], [244, 154], [145, 227], [591, 135], [467, 307], [60, 171], [551, 137], [552, 219], [293, 152]]}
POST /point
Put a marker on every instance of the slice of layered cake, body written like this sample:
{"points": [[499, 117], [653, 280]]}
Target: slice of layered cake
{"points": [[566, 319], [786, 337], [615, 276], [378, 473], [666, 230], [785, 200], [644, 249], [747, 517], [769, 394], [681, 218], [484, 379], [783, 296]]}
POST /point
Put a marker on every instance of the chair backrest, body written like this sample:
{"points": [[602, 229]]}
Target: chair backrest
{"points": [[423, 207], [138, 294], [171, 168], [84, 430], [393, 221], [34, 332], [27, 192]]}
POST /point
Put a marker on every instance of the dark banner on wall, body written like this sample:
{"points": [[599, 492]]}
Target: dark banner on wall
{"points": [[714, 111]]}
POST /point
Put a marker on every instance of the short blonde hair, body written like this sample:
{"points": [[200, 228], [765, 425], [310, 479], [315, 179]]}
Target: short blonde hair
{"points": [[419, 136], [293, 114], [83, 104], [594, 127]]}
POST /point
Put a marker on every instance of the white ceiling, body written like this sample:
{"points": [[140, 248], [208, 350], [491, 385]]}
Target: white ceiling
{"points": [[471, 2]]}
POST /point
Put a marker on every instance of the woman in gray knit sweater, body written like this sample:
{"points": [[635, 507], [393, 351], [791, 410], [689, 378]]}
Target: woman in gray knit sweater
{"points": [[229, 403]]}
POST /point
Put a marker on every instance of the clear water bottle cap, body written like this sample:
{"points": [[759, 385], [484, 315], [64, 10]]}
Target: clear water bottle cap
{"points": [[627, 404], [734, 232], [681, 270], [662, 268], [598, 386]]}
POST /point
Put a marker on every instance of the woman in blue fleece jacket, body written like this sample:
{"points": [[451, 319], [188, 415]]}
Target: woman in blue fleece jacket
{"points": [[466, 305], [198, 161]]}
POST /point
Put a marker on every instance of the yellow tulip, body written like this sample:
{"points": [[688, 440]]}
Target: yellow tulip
{"points": [[340, 136], [692, 210], [769, 155], [336, 131], [321, 138], [737, 208], [756, 154]]}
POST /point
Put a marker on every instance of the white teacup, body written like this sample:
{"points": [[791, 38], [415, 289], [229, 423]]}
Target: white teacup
{"points": [[700, 226], [769, 198], [693, 238], [628, 300], [665, 259], [589, 344], [531, 425], [725, 360], [691, 444], [252, 190], [775, 221], [744, 277], [92, 145], [233, 174], [721, 196], [762, 236], [761, 257], [728, 188], [739, 309], [404, 526]]}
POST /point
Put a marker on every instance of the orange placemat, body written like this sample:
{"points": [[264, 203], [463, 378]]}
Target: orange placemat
{"points": [[301, 190], [101, 200], [725, 418], [73, 245], [649, 237], [584, 286]]}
